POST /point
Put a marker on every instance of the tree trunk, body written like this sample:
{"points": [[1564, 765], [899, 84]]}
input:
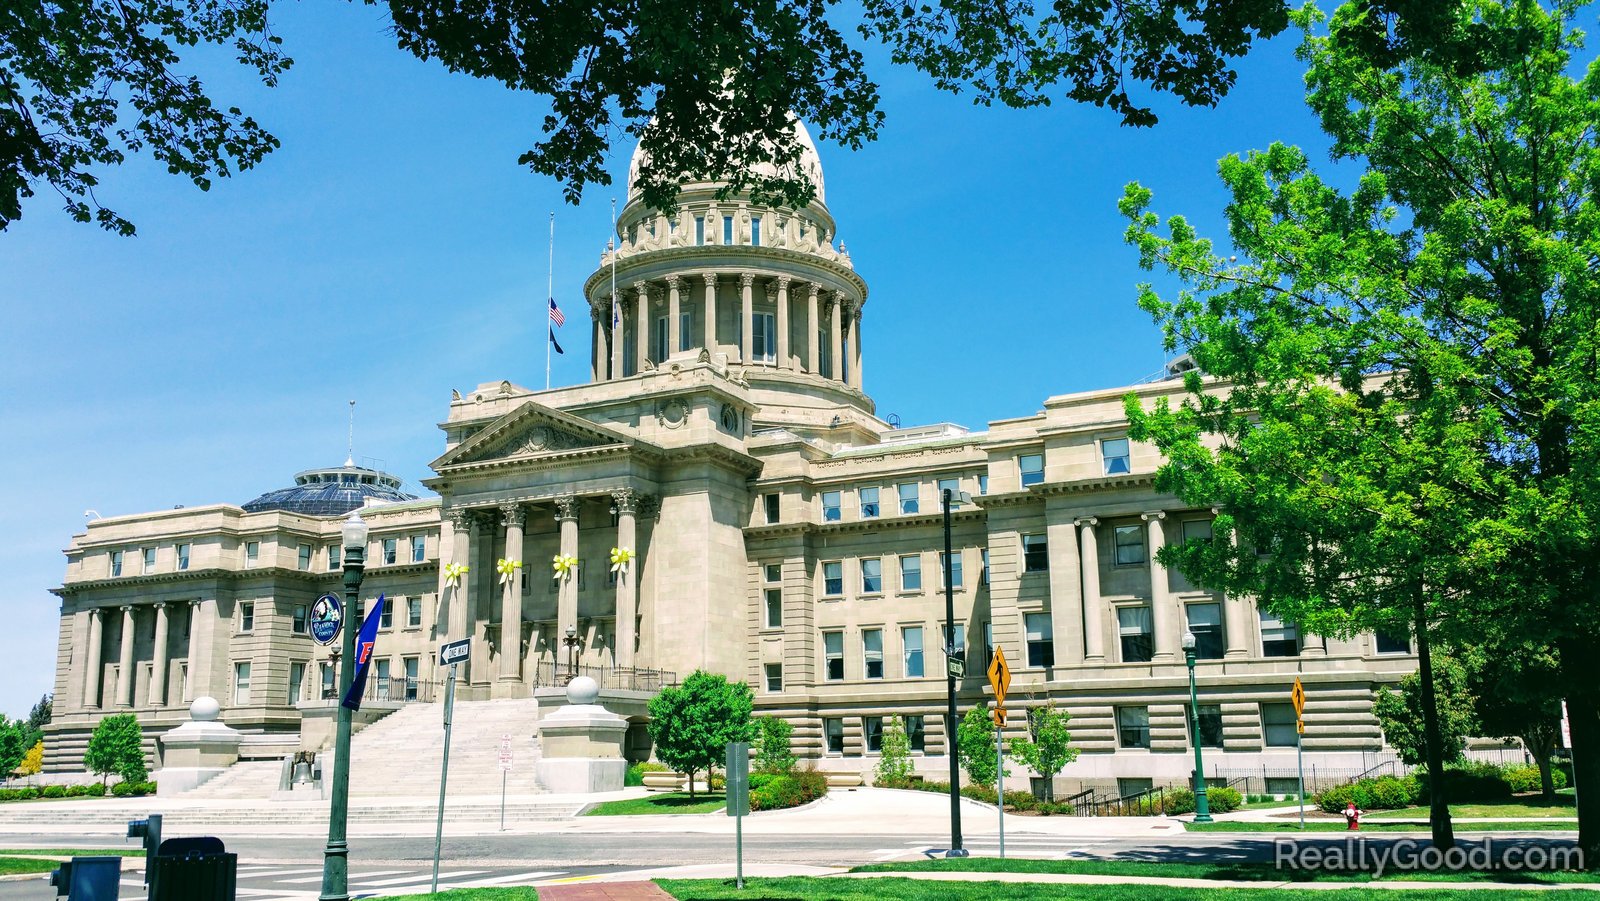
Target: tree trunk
{"points": [[691, 785], [1547, 783], [1583, 714], [1438, 800]]}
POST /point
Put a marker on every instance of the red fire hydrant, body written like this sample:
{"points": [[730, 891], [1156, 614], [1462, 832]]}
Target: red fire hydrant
{"points": [[1352, 817]]}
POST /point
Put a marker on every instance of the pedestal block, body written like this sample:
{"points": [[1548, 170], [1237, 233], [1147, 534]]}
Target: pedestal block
{"points": [[196, 751], [581, 744]]}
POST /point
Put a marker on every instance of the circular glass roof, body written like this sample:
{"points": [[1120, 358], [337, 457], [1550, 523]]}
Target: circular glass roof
{"points": [[331, 492]]}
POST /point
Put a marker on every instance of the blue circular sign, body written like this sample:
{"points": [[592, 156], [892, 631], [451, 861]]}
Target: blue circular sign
{"points": [[327, 618]]}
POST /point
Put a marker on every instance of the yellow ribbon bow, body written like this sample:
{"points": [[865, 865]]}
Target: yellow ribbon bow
{"points": [[508, 570], [453, 573], [564, 564], [620, 558]]}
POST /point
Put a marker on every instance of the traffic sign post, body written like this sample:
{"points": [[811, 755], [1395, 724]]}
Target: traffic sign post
{"points": [[1000, 681], [736, 770], [451, 654], [505, 767], [1298, 696]]}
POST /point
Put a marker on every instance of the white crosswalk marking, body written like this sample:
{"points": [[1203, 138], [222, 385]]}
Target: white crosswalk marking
{"points": [[354, 877], [426, 877]]}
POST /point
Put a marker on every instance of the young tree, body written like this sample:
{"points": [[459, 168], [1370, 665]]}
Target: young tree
{"points": [[692, 723], [976, 733], [1518, 695], [32, 761], [894, 755], [15, 739], [116, 747], [773, 751], [1400, 714], [1405, 428], [1048, 747]]}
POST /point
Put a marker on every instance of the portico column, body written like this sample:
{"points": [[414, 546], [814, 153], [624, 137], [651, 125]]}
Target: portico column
{"points": [[836, 336], [202, 646], [125, 660], [598, 368], [747, 316], [456, 594], [627, 503], [855, 348], [615, 317], [813, 327], [674, 336], [710, 329], [158, 671], [91, 678], [567, 595], [1162, 613], [1234, 609], [782, 287], [511, 598], [641, 318], [1095, 612]]}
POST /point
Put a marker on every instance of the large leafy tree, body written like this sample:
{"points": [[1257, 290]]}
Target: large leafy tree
{"points": [[116, 747], [1401, 716], [1408, 419], [692, 723]]}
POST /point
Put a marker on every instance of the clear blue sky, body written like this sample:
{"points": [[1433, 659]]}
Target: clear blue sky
{"points": [[392, 249]]}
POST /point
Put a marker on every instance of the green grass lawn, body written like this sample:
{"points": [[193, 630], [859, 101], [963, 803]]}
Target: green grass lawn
{"points": [[32, 860], [1292, 824], [10, 866], [1236, 872], [672, 802], [1263, 805], [893, 889], [1518, 808]]}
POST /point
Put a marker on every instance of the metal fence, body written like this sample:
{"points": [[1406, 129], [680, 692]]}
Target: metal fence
{"points": [[630, 678]]}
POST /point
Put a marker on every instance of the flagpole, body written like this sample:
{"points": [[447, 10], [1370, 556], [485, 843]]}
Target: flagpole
{"points": [[616, 319], [550, 295]]}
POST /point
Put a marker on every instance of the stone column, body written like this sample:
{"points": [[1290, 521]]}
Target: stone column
{"points": [[511, 599], [460, 552], [1163, 613], [1066, 598], [615, 317], [813, 326], [480, 563], [855, 348], [1095, 611], [125, 660], [92, 663], [189, 650], [158, 670], [567, 596], [641, 350], [710, 329], [202, 640], [598, 368], [627, 503], [746, 316], [1235, 619], [782, 300], [836, 336], [674, 313]]}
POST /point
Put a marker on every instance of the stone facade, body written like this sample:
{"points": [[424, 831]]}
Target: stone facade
{"points": [[779, 532]]}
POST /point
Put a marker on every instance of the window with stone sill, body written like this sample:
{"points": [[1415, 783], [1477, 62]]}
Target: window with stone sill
{"points": [[911, 642], [911, 573], [699, 231], [1114, 456], [954, 568], [769, 503], [252, 553], [247, 616], [1133, 727], [833, 734], [954, 487], [183, 557], [1205, 623], [1129, 541], [727, 229], [1210, 725], [302, 557], [830, 506], [832, 579], [755, 231], [149, 560], [1035, 554], [983, 483], [298, 619], [414, 613], [868, 500], [241, 684], [774, 673], [386, 617], [1135, 634], [871, 575], [833, 656], [419, 548], [916, 732], [391, 548], [872, 653], [1278, 638], [1041, 640], [1278, 725], [1387, 643], [116, 563], [872, 733], [333, 557], [909, 500], [1031, 469]]}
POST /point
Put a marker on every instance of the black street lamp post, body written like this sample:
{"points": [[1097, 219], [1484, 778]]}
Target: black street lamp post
{"points": [[951, 724], [1202, 806], [336, 857]]}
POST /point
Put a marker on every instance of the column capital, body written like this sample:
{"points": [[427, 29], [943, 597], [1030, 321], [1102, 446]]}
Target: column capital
{"points": [[160, 605], [1086, 521], [513, 514], [195, 602], [710, 279], [649, 506], [746, 279], [625, 501], [771, 288], [1153, 515], [782, 282], [459, 518], [814, 290], [642, 288], [126, 609], [674, 282], [566, 508]]}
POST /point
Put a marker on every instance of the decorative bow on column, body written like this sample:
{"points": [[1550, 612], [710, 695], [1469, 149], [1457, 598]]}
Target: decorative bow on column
{"points": [[453, 573], [564, 564], [507, 569], [620, 558]]}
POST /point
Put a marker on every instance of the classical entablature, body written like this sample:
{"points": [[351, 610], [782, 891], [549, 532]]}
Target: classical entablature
{"points": [[536, 436]]}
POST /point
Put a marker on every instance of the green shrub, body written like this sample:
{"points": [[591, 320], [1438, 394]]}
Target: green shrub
{"points": [[77, 791], [25, 793], [97, 790], [1469, 783], [53, 791], [1526, 779], [635, 773], [122, 789], [1224, 799], [779, 791], [133, 789], [1335, 799], [1382, 793]]}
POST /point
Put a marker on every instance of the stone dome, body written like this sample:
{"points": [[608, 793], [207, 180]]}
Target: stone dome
{"points": [[810, 163], [332, 492]]}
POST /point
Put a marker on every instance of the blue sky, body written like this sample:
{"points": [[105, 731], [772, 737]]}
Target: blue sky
{"points": [[392, 249]]}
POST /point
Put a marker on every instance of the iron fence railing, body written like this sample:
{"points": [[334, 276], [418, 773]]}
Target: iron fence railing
{"points": [[625, 678]]}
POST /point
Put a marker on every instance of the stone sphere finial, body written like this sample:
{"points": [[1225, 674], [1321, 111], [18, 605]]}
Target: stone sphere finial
{"points": [[204, 709], [582, 690]]}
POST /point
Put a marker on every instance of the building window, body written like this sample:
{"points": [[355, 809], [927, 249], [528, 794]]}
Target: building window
{"points": [[298, 618], [302, 557], [410, 664], [916, 733], [769, 503], [414, 612], [872, 653], [983, 569], [954, 487], [774, 677], [1278, 638], [183, 557], [1130, 545], [983, 483], [909, 502], [871, 575], [911, 641], [390, 551], [830, 506], [383, 678], [1393, 644], [1196, 530], [911, 572], [699, 231], [247, 616], [1133, 625], [241, 684], [833, 732], [329, 689], [1210, 725], [1278, 725], [868, 500], [333, 557], [685, 328], [1205, 621], [116, 563], [1035, 554], [954, 568], [419, 548], [755, 231], [1133, 727], [1041, 643], [832, 579], [833, 655], [252, 553], [149, 560], [872, 733], [1114, 454], [1031, 466], [774, 595], [658, 341], [386, 615], [764, 337], [727, 229], [297, 680]]}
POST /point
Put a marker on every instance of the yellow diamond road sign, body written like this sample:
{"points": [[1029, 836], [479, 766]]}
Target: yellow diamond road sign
{"points": [[999, 677], [1298, 695]]}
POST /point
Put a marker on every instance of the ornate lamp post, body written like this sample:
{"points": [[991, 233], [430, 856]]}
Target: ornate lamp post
{"points": [[1202, 807], [951, 724], [570, 641], [336, 857]]}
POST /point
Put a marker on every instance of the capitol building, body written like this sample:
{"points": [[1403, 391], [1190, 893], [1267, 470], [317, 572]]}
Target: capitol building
{"points": [[771, 526]]}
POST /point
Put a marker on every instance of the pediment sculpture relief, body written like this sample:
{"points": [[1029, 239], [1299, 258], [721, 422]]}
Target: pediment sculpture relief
{"points": [[540, 439]]}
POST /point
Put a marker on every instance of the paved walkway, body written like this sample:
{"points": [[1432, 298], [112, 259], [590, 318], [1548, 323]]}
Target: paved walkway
{"points": [[604, 891]]}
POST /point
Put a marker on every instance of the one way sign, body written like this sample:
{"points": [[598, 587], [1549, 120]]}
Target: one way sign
{"points": [[454, 652]]}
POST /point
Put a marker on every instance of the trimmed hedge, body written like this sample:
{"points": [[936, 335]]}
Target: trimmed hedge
{"points": [[133, 789], [52, 792], [1526, 778], [778, 791], [1382, 793], [1465, 783]]}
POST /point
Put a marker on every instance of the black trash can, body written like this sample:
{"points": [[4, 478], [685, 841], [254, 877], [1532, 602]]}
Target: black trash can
{"points": [[88, 879], [194, 869]]}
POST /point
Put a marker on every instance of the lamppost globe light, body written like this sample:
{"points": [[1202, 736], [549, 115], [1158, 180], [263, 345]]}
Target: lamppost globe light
{"points": [[354, 530], [1188, 641], [572, 631]]}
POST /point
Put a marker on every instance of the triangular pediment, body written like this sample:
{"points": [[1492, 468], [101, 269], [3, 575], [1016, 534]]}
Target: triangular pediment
{"points": [[531, 431]]}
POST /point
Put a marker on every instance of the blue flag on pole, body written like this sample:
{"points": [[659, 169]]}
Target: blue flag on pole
{"points": [[365, 642]]}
